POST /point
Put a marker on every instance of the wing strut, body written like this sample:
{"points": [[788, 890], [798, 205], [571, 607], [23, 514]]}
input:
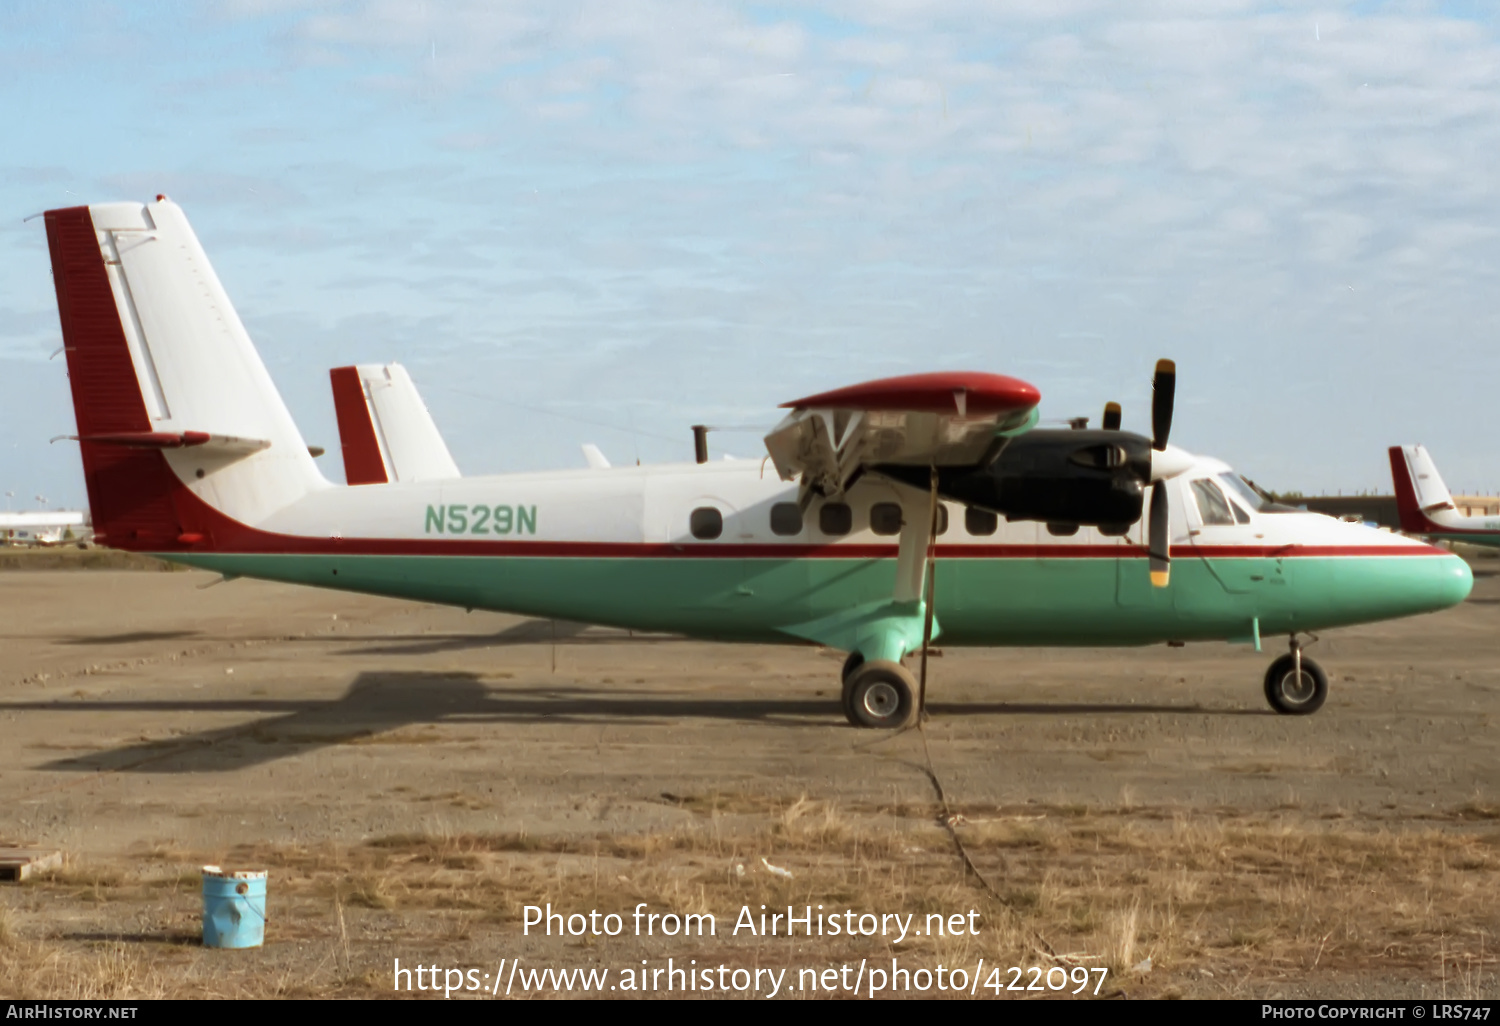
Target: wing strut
{"points": [[931, 594]]}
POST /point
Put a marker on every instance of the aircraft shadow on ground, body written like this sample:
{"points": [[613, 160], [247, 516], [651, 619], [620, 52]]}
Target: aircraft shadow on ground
{"points": [[957, 711], [529, 632], [127, 639], [379, 704]]}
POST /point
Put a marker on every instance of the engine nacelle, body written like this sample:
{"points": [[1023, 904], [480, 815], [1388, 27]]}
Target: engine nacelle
{"points": [[1061, 477]]}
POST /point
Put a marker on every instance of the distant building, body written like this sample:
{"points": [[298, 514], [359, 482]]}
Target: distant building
{"points": [[43, 527], [1477, 505]]}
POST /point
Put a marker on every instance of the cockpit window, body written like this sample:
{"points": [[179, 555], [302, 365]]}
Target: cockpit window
{"points": [[1213, 508], [1236, 486], [1254, 499]]}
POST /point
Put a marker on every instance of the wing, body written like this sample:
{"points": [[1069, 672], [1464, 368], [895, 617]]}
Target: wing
{"points": [[953, 419]]}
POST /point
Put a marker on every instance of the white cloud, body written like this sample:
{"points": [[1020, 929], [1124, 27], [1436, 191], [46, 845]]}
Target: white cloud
{"points": [[910, 182]]}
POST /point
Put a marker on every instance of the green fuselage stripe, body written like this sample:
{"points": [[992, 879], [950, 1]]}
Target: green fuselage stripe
{"points": [[984, 601]]}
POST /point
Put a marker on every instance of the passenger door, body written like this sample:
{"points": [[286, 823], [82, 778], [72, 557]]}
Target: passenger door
{"points": [[1226, 539]]}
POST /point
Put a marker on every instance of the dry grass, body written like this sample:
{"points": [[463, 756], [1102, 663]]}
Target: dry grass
{"points": [[71, 557], [101, 972], [1207, 899]]}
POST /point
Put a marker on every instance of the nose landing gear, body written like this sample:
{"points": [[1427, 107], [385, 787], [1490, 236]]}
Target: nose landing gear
{"points": [[1295, 685], [879, 694]]}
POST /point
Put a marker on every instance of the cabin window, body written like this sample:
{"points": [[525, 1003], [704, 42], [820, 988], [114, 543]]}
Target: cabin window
{"points": [[786, 519], [835, 519], [885, 518], [980, 523], [1213, 508], [706, 523]]}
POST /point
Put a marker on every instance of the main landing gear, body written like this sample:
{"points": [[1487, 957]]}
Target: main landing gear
{"points": [[878, 693], [1295, 685]]}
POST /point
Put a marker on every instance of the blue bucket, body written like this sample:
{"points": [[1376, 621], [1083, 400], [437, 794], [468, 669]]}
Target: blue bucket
{"points": [[234, 909]]}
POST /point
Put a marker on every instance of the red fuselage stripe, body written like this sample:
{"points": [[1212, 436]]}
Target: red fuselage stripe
{"points": [[257, 542]]}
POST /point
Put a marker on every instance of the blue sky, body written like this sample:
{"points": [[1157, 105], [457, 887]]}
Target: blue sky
{"points": [[604, 222]]}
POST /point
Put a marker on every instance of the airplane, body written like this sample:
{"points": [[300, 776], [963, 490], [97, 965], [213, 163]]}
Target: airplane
{"points": [[894, 512], [41, 527], [1425, 506], [386, 432]]}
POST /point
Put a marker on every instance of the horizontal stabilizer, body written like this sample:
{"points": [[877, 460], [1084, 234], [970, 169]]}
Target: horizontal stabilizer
{"points": [[226, 445]]}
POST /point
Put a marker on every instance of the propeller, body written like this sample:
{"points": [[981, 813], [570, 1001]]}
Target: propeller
{"points": [[1111, 416], [1163, 393]]}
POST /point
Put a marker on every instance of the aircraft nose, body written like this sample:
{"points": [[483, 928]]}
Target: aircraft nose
{"points": [[1454, 579], [1375, 588], [1437, 582]]}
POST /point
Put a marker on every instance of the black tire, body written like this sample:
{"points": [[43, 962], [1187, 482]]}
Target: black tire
{"points": [[854, 662], [1290, 696], [880, 695]]}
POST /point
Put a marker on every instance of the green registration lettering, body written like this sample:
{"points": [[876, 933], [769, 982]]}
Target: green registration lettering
{"points": [[457, 519]]}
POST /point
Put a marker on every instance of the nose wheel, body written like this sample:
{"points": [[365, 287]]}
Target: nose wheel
{"points": [[1295, 685], [879, 694]]}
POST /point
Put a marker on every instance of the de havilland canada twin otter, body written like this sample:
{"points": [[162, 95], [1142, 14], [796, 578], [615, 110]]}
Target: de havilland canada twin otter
{"points": [[885, 515]]}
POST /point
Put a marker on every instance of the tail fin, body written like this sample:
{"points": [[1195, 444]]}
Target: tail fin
{"points": [[385, 429], [168, 392], [1420, 491], [594, 457]]}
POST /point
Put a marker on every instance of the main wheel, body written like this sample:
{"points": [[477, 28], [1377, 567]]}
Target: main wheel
{"points": [[854, 662], [879, 694], [1294, 695]]}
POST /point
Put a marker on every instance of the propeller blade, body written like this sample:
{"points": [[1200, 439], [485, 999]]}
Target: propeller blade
{"points": [[1159, 542], [1163, 392], [1111, 416]]}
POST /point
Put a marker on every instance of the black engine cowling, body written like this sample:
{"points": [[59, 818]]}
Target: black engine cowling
{"points": [[1062, 477]]}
